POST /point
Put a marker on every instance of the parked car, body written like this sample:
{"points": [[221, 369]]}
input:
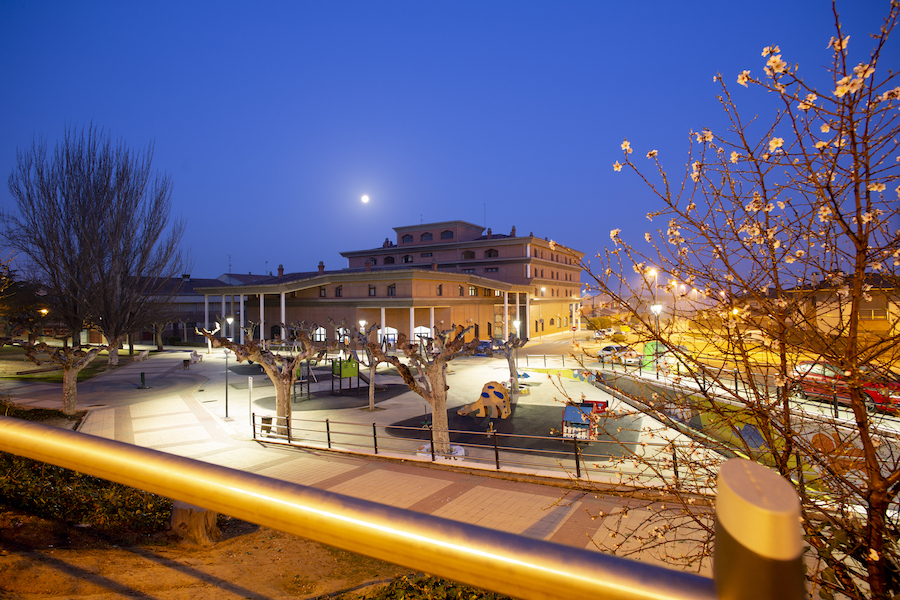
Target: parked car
{"points": [[824, 381], [618, 353], [604, 333]]}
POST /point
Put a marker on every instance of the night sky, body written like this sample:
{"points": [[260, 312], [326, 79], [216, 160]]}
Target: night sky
{"points": [[273, 119]]}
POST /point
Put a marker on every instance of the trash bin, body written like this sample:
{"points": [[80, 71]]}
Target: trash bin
{"points": [[186, 363], [266, 424]]}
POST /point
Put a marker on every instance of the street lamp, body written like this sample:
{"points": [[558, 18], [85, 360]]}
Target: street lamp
{"points": [[230, 319], [656, 309]]}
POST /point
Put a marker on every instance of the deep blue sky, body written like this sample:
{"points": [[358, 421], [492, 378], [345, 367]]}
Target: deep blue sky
{"points": [[274, 118]]}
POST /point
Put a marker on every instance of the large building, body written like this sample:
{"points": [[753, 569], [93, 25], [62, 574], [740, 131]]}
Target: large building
{"points": [[435, 274]]}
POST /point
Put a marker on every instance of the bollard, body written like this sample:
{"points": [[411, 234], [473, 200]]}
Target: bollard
{"points": [[143, 386], [759, 542]]}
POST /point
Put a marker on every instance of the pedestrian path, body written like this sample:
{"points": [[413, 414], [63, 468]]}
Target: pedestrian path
{"points": [[181, 412]]}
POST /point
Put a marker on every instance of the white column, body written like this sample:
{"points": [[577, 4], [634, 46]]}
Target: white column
{"points": [[262, 317], [412, 324], [506, 316], [519, 332], [431, 322], [206, 311], [382, 324], [283, 331], [242, 318], [224, 314], [528, 314]]}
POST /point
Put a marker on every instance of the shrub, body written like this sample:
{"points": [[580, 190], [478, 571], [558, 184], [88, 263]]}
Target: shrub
{"points": [[426, 587]]}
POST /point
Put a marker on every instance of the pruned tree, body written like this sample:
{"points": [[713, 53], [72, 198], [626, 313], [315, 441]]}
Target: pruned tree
{"points": [[93, 219], [362, 339], [425, 372], [282, 370], [507, 349], [71, 359], [779, 248]]}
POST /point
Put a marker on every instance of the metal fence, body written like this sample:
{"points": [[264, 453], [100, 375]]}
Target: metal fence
{"points": [[632, 462]]}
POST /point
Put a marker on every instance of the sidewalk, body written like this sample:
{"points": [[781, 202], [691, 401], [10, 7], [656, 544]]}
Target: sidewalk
{"points": [[182, 412]]}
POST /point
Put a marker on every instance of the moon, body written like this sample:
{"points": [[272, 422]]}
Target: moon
{"points": [[365, 198]]}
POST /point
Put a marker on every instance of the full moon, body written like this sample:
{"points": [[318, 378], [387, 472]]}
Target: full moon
{"points": [[365, 198]]}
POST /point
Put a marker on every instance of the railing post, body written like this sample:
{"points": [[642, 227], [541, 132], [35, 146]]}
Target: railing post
{"points": [[759, 541], [577, 461], [735, 382], [253, 424], [496, 452], [675, 463], [288, 421], [431, 441], [374, 438], [834, 398], [328, 433]]}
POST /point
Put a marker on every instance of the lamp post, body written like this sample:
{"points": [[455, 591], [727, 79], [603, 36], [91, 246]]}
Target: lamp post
{"points": [[656, 309], [229, 319]]}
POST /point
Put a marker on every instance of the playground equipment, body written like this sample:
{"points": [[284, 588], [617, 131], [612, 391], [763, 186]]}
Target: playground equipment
{"points": [[493, 402]]}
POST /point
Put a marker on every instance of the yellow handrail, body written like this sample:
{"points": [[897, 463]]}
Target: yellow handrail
{"points": [[502, 562]]}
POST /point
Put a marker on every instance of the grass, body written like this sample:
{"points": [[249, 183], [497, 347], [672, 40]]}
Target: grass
{"points": [[13, 361]]}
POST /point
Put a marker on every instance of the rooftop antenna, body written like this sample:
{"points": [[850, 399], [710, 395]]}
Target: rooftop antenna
{"points": [[485, 214], [267, 268], [229, 263]]}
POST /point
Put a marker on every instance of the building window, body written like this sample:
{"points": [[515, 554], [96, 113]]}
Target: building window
{"points": [[440, 289], [491, 270], [498, 293], [473, 291], [407, 239], [461, 291], [447, 235], [470, 271], [321, 292], [389, 260], [371, 290], [392, 290], [551, 322], [339, 291], [468, 255], [492, 253], [425, 237], [374, 261], [425, 254], [487, 291], [407, 258]]}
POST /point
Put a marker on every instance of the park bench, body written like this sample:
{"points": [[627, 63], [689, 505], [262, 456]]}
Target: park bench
{"points": [[196, 357], [142, 355]]}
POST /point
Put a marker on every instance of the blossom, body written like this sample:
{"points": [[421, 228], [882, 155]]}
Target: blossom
{"points": [[552, 245], [891, 94], [838, 43], [876, 187], [808, 102], [780, 204], [617, 167], [775, 65], [863, 71], [875, 266], [743, 78], [775, 143], [825, 128], [734, 157], [770, 50], [614, 234], [695, 173], [626, 146], [821, 144], [648, 237], [707, 135], [652, 154]]}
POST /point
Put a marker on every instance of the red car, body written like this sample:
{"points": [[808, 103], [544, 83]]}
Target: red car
{"points": [[824, 381]]}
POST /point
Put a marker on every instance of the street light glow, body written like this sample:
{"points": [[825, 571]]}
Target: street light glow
{"points": [[656, 309]]}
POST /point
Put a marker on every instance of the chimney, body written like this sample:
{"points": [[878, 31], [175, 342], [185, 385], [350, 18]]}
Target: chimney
{"points": [[368, 266], [513, 232], [814, 278], [185, 277], [386, 243], [489, 233], [321, 268], [280, 270], [433, 265]]}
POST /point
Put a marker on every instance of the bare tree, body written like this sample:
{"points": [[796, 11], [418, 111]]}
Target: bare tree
{"points": [[93, 219], [508, 349], [779, 255], [71, 359], [429, 361], [363, 339], [282, 370]]}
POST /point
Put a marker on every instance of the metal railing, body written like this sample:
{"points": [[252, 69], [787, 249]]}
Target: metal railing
{"points": [[615, 462], [506, 563]]}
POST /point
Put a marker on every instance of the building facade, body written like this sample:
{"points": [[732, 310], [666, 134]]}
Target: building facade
{"points": [[437, 274]]}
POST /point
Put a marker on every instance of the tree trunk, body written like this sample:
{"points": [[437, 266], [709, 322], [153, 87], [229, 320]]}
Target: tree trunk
{"points": [[372, 365], [159, 340], [514, 375], [193, 524], [282, 405], [70, 382], [438, 375], [113, 351]]}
